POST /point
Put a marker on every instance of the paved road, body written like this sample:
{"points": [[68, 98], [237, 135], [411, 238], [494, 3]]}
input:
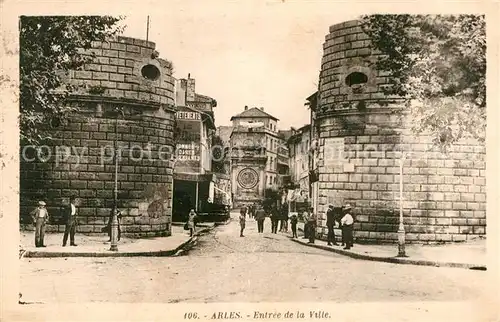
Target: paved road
{"points": [[224, 267]]}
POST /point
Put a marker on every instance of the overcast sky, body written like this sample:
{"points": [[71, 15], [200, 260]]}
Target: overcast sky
{"points": [[265, 55]]}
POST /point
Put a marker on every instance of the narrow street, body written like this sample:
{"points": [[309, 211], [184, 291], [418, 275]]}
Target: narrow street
{"points": [[224, 267]]}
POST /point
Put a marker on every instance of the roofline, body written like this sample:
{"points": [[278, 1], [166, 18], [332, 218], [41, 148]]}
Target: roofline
{"points": [[253, 117]]}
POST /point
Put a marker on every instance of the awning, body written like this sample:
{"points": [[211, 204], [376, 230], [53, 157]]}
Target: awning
{"points": [[197, 177]]}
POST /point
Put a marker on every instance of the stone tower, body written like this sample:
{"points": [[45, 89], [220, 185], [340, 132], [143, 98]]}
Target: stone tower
{"points": [[361, 135], [125, 74]]}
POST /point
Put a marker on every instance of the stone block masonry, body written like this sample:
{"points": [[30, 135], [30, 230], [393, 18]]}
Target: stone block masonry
{"points": [[78, 161], [444, 195]]}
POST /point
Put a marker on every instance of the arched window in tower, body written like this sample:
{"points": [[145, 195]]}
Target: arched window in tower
{"points": [[356, 78]]}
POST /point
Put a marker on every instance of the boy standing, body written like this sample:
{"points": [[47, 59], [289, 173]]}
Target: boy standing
{"points": [[347, 222]]}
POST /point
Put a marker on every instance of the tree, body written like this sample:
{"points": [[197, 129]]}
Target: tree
{"points": [[51, 46], [438, 61]]}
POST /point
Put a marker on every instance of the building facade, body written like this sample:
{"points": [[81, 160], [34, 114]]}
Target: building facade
{"points": [[126, 74], [362, 134], [299, 149], [194, 181], [256, 157]]}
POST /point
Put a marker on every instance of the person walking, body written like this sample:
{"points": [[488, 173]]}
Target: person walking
{"points": [[40, 217], [191, 224], [243, 215], [260, 216], [284, 218], [70, 213], [275, 217], [347, 222], [330, 224], [312, 226], [293, 221]]}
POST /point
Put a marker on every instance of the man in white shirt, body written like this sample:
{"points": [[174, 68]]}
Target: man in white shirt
{"points": [[70, 219], [347, 223], [40, 216]]}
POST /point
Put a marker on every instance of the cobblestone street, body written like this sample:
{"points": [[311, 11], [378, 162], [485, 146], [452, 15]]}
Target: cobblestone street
{"points": [[224, 267]]}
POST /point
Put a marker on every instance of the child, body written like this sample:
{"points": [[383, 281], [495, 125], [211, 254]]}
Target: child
{"points": [[293, 221], [347, 222]]}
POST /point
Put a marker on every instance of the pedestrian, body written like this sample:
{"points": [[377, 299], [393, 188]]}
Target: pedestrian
{"points": [[251, 210], [312, 226], [293, 221], [347, 222], [70, 213], [305, 218], [191, 224], [243, 215], [118, 223], [275, 217], [330, 224], [284, 218], [260, 216], [40, 217]]}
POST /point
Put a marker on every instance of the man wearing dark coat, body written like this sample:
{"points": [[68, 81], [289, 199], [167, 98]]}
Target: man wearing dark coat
{"points": [[330, 224], [70, 213]]}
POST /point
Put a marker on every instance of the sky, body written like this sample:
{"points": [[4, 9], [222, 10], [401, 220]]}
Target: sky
{"points": [[257, 54]]}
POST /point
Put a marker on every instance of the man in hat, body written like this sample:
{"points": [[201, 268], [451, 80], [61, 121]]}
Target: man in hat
{"points": [[330, 224], [347, 227], [70, 213], [40, 216]]}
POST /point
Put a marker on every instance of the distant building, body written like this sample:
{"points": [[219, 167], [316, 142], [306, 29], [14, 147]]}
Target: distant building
{"points": [[259, 155]]}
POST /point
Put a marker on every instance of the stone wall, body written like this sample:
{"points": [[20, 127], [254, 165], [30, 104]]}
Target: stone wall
{"points": [[444, 193], [78, 161]]}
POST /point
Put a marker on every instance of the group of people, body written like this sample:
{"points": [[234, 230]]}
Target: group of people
{"points": [[335, 217], [40, 218]]}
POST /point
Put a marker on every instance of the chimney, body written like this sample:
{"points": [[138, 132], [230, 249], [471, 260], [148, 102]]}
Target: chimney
{"points": [[262, 109], [190, 89], [246, 107]]}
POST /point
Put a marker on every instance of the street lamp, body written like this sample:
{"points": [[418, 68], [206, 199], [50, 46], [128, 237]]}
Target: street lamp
{"points": [[401, 229], [114, 218]]}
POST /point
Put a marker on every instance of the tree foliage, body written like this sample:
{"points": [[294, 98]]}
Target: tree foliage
{"points": [[438, 61], [50, 46]]}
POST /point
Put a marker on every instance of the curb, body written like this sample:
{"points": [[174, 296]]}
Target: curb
{"points": [[161, 253], [393, 260]]}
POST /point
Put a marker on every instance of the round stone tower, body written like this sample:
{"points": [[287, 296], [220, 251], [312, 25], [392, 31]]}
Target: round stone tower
{"points": [[127, 76], [361, 135]]}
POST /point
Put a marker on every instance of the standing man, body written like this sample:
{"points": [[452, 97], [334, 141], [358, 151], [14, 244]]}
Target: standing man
{"points": [[312, 226], [70, 221], [347, 227], [40, 216], [305, 218], [274, 219], [330, 224], [243, 215], [293, 222], [260, 216]]}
